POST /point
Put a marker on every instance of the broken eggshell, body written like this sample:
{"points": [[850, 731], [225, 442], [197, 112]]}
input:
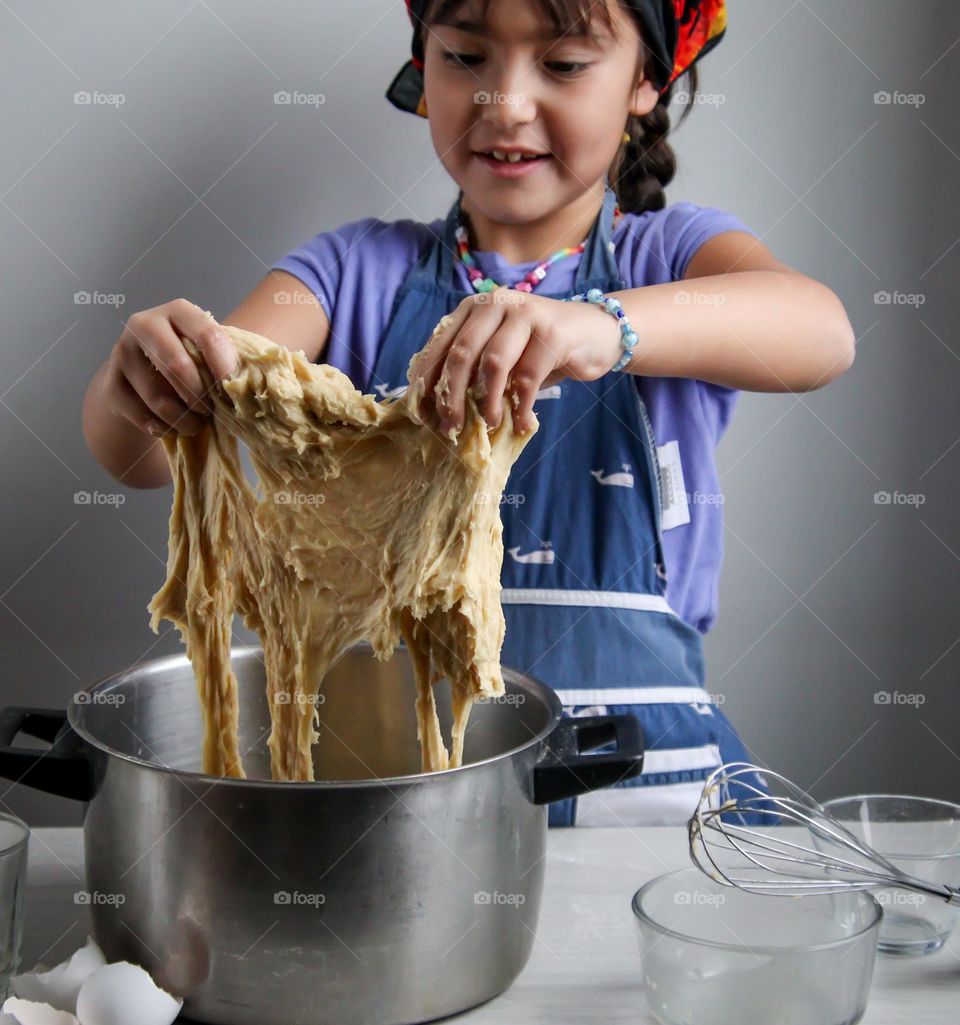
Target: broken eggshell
{"points": [[108, 995], [59, 986], [85, 990], [29, 1012]]}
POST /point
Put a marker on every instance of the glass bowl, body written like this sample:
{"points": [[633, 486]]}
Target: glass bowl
{"points": [[715, 955], [921, 836]]}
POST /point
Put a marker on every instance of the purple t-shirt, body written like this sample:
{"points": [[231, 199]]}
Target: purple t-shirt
{"points": [[356, 270]]}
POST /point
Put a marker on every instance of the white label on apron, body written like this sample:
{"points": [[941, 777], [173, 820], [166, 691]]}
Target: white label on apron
{"points": [[675, 510]]}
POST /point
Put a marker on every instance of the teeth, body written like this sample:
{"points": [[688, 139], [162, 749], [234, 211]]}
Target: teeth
{"points": [[510, 158]]}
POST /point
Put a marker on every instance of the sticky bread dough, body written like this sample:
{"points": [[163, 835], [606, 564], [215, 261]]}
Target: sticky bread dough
{"points": [[366, 524]]}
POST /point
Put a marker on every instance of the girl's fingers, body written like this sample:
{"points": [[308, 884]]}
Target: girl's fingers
{"points": [[458, 370], [428, 363], [209, 337], [502, 353], [481, 313], [528, 375], [460, 364], [158, 398], [158, 343], [128, 404]]}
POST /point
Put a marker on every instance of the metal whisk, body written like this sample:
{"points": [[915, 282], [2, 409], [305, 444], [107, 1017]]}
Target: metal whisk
{"points": [[733, 839]]}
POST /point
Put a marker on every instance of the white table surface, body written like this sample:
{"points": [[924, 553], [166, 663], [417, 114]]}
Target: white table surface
{"points": [[585, 966]]}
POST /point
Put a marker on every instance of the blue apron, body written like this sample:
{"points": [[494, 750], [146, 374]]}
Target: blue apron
{"points": [[584, 581]]}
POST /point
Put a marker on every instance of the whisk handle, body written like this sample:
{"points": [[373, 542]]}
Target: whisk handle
{"points": [[950, 894]]}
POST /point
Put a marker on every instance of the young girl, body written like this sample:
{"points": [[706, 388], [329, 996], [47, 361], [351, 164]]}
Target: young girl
{"points": [[551, 117]]}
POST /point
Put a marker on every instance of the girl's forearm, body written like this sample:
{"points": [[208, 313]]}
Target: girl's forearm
{"points": [[761, 330], [126, 453]]}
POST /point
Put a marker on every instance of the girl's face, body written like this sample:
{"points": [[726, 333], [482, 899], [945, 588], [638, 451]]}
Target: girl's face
{"points": [[511, 83]]}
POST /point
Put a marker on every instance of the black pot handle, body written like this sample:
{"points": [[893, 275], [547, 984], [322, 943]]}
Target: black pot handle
{"points": [[566, 770], [62, 769]]}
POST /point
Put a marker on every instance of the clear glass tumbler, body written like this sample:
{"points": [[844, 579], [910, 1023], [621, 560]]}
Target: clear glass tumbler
{"points": [[713, 955], [14, 835], [920, 836]]}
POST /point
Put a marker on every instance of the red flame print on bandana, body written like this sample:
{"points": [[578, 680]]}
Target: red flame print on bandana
{"points": [[700, 23]]}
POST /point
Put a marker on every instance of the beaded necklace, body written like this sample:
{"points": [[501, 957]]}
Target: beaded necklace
{"points": [[531, 279]]}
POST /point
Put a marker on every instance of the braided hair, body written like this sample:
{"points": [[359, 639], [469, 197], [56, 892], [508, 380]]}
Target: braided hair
{"points": [[646, 164]]}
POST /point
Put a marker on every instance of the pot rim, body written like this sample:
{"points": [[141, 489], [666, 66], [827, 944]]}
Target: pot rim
{"points": [[523, 680]]}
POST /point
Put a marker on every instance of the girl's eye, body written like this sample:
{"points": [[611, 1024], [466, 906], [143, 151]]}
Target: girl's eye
{"points": [[566, 67], [461, 60], [470, 60]]}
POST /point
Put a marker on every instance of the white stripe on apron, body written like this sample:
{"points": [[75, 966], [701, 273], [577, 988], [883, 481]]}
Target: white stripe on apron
{"points": [[606, 599], [633, 696]]}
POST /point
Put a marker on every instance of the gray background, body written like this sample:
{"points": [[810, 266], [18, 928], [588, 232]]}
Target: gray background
{"points": [[199, 181]]}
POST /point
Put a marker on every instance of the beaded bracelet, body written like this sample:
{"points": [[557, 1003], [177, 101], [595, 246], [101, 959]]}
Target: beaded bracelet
{"points": [[628, 336]]}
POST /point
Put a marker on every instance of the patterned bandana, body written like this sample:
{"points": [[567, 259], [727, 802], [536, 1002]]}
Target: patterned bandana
{"points": [[677, 32]]}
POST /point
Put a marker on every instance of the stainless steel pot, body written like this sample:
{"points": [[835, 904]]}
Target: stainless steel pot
{"points": [[375, 896]]}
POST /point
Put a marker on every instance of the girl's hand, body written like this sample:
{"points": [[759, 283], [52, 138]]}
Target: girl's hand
{"points": [[510, 343], [152, 380]]}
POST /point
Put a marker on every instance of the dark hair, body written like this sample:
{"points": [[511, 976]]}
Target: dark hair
{"points": [[643, 166], [646, 164]]}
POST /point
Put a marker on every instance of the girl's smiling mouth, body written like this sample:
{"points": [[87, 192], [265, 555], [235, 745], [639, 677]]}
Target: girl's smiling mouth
{"points": [[511, 163]]}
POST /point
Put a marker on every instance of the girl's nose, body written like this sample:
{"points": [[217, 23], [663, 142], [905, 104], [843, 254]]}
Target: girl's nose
{"points": [[505, 93], [505, 105]]}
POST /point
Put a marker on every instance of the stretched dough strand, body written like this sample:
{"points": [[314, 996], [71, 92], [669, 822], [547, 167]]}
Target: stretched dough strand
{"points": [[365, 524]]}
